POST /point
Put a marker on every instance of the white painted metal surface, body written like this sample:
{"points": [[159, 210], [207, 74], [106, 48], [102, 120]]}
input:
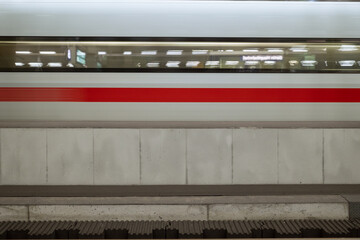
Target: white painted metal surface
{"points": [[67, 111], [181, 80], [180, 18]]}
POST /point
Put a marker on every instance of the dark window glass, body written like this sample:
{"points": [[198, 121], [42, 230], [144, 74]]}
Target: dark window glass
{"points": [[170, 55]]}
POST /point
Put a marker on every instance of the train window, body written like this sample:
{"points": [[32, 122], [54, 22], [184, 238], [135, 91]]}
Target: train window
{"points": [[179, 55]]}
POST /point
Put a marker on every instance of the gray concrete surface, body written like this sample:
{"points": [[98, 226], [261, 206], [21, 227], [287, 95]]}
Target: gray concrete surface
{"points": [[300, 156], [176, 208], [163, 156], [23, 156], [247, 211], [116, 156], [179, 156], [342, 156], [352, 198], [70, 156], [255, 156], [209, 156], [14, 213], [118, 212], [278, 211]]}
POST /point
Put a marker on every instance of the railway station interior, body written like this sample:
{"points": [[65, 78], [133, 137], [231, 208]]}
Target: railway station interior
{"points": [[179, 119]]}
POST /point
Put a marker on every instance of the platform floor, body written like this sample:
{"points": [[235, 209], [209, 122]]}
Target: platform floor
{"points": [[180, 208]]}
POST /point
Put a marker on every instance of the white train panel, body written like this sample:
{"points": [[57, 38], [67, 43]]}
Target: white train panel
{"points": [[180, 19], [81, 111], [305, 69], [178, 80]]}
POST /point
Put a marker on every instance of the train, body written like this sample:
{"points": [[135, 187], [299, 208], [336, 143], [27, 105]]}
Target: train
{"points": [[179, 61]]}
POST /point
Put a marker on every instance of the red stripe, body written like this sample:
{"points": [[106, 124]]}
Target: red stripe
{"points": [[180, 94]]}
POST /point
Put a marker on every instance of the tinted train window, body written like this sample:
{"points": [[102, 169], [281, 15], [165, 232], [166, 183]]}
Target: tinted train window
{"points": [[161, 55]]}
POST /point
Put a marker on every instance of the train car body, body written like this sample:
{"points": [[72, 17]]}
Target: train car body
{"points": [[235, 61]]}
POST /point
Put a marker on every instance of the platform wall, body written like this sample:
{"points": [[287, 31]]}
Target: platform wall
{"points": [[90, 156]]}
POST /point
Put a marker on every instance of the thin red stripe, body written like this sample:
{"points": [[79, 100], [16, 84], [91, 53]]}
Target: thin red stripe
{"points": [[180, 94]]}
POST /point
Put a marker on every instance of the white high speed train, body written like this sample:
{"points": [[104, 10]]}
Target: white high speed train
{"points": [[179, 61]]}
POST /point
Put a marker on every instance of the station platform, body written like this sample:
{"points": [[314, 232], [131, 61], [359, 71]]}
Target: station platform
{"points": [[177, 208], [179, 203]]}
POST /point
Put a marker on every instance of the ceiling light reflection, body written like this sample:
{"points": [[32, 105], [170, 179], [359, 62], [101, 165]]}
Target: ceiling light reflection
{"points": [[348, 48], [199, 52], [173, 64], [231, 63], [174, 52], [347, 63], [212, 63], [156, 64], [55, 64], [47, 52], [22, 52], [35, 64], [19, 64], [150, 52], [192, 63]]}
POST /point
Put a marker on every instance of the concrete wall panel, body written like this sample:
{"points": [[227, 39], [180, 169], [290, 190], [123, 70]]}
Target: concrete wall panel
{"points": [[116, 156], [209, 156], [23, 156], [163, 156], [70, 156], [342, 156], [118, 212], [300, 156], [255, 156], [179, 156]]}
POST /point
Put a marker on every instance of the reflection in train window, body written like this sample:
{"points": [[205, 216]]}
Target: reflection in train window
{"points": [[235, 56]]}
